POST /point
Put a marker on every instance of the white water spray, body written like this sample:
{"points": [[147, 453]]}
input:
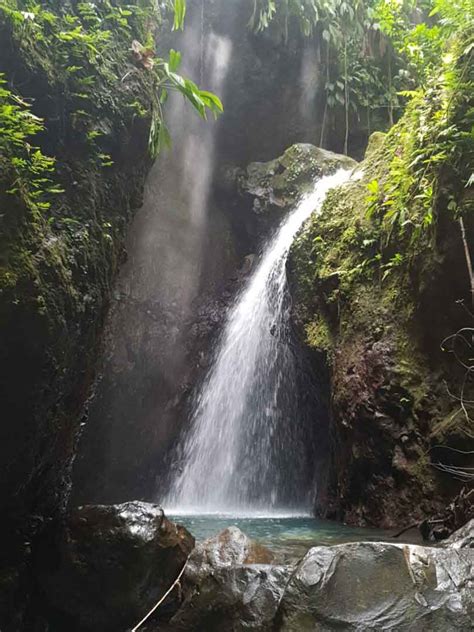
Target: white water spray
{"points": [[245, 449]]}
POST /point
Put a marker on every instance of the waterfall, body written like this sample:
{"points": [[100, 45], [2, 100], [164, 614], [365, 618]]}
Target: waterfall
{"points": [[245, 448]]}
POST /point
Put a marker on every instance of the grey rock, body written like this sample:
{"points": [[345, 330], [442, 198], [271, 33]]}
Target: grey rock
{"points": [[379, 586], [230, 585], [276, 185], [463, 538], [248, 265], [112, 565]]}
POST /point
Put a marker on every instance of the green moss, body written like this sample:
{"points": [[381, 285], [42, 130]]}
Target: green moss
{"points": [[8, 279], [422, 471], [339, 268], [58, 262], [380, 294], [376, 142], [318, 336]]}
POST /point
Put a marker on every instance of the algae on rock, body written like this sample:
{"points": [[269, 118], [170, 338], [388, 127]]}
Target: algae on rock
{"points": [[378, 301], [58, 258]]}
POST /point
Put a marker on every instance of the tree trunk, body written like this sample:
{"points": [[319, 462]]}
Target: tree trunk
{"points": [[325, 113], [346, 98], [390, 102], [467, 253]]}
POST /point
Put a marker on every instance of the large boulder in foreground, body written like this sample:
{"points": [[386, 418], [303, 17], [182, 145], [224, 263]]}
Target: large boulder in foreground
{"points": [[230, 585], [379, 586], [111, 565]]}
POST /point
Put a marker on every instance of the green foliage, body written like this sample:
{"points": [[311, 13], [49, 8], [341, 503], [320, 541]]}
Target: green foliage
{"points": [[375, 51], [421, 51], [168, 80], [25, 169], [179, 8], [357, 56], [395, 262], [433, 146], [89, 52]]}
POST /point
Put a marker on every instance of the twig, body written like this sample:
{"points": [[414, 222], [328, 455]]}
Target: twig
{"points": [[468, 259], [447, 447], [156, 606], [405, 529], [453, 338], [463, 305], [127, 74], [461, 474]]}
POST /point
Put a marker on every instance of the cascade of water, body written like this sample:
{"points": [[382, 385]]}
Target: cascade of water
{"points": [[244, 449]]}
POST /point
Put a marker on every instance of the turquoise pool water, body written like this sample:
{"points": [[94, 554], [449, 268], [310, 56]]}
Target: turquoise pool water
{"points": [[289, 537]]}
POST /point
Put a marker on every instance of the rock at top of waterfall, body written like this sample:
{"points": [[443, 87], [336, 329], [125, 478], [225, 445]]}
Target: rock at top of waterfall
{"points": [[278, 184]]}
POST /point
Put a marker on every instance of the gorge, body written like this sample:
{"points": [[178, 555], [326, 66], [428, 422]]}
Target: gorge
{"points": [[236, 342]]}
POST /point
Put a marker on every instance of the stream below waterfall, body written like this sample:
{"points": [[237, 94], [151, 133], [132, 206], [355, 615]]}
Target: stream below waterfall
{"points": [[288, 537]]}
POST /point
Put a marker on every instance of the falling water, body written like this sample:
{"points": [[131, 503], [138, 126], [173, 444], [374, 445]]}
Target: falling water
{"points": [[246, 445]]}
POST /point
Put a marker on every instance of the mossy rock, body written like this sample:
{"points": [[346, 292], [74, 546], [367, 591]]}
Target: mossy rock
{"points": [[275, 186], [380, 327]]}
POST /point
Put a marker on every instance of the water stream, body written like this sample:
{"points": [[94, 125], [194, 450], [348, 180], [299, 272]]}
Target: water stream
{"points": [[288, 537], [244, 452]]}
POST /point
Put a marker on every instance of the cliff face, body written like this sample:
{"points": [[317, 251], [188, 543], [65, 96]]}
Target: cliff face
{"points": [[374, 300], [189, 246], [59, 259]]}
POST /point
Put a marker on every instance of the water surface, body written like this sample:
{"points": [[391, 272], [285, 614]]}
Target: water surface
{"points": [[289, 537]]}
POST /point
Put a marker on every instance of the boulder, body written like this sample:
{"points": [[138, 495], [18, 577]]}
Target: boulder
{"points": [[111, 565], [230, 585], [379, 586], [451, 519], [463, 538], [276, 185]]}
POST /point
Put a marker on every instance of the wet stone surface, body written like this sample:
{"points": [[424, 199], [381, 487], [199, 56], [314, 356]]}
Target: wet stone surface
{"points": [[229, 581], [380, 586], [109, 564]]}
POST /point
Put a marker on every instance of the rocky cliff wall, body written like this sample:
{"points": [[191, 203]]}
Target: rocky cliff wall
{"points": [[192, 243], [58, 261], [376, 303]]}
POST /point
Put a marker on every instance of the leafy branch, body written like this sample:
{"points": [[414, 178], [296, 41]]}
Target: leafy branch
{"points": [[25, 169], [82, 50]]}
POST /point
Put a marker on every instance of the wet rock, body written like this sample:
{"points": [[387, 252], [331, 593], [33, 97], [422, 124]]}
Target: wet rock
{"points": [[112, 565], [463, 538], [274, 186], [391, 416], [451, 518], [379, 586], [249, 263], [399, 460], [230, 547], [230, 585]]}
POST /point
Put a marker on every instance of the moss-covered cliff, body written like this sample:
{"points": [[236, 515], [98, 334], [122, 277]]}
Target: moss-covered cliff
{"points": [[72, 91], [379, 280]]}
